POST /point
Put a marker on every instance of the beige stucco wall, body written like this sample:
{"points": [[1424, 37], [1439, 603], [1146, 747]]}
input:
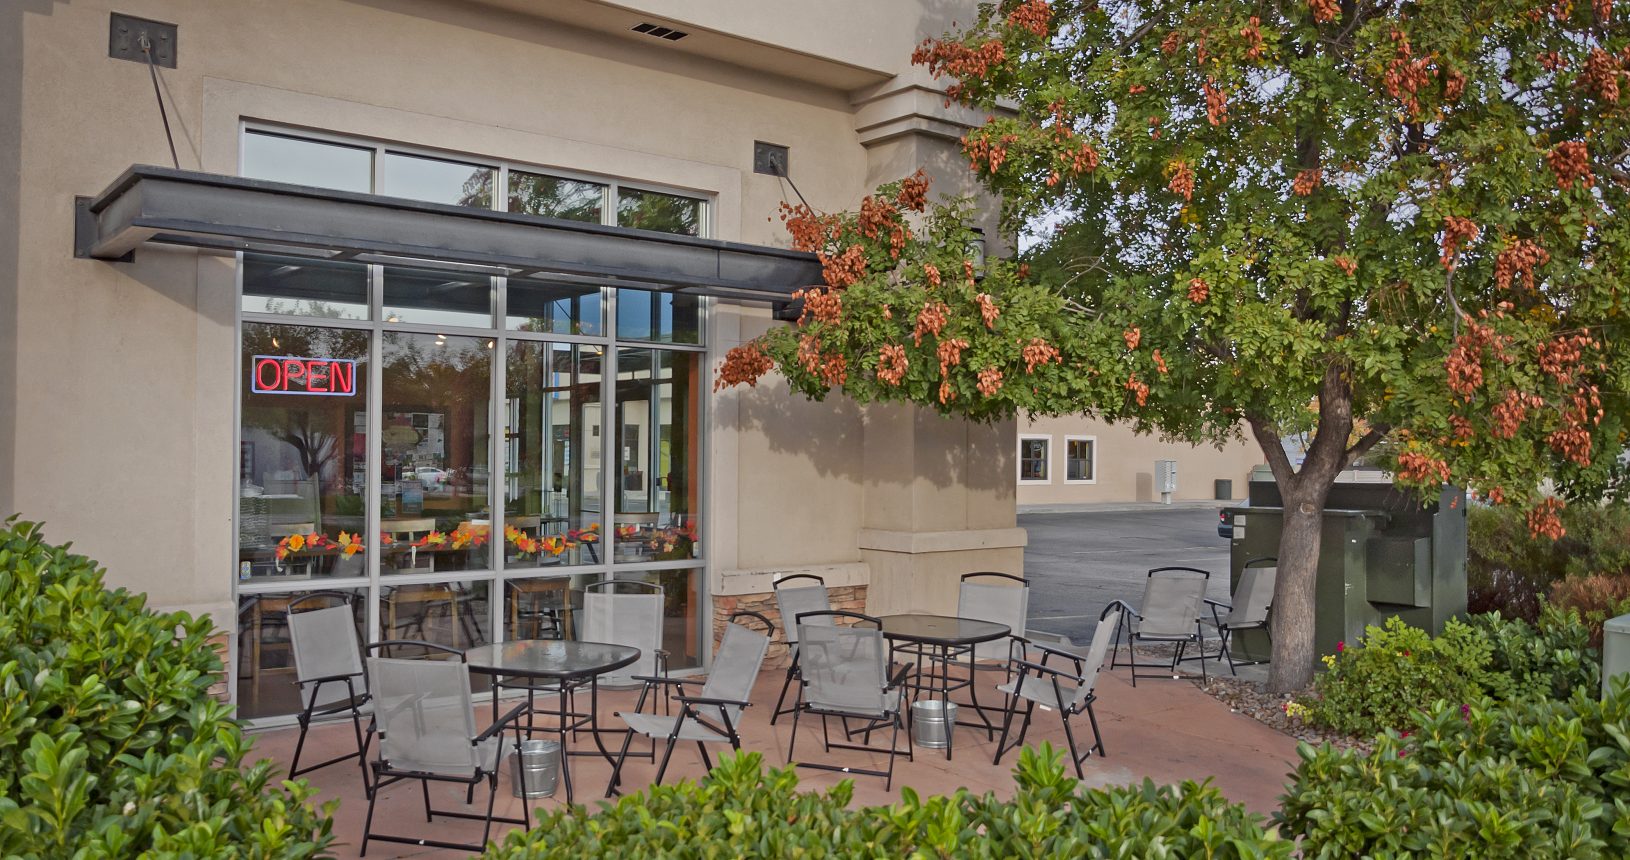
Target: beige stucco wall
{"points": [[1125, 468], [122, 434]]}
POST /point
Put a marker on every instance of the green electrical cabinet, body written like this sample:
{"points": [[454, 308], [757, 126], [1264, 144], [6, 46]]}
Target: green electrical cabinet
{"points": [[1615, 650], [1382, 554]]}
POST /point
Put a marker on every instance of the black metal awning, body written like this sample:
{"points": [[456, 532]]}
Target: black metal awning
{"points": [[228, 213]]}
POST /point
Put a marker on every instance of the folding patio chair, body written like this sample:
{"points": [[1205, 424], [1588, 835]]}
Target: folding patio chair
{"points": [[714, 716], [1253, 601], [624, 617], [328, 670], [426, 720], [1070, 692], [1173, 599], [1001, 598], [795, 595], [845, 674]]}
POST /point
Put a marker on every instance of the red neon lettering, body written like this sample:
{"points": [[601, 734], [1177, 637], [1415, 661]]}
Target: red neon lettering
{"points": [[293, 370], [317, 376], [344, 376], [260, 374]]}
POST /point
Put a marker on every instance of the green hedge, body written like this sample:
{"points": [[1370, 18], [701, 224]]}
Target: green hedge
{"points": [[1509, 570], [110, 744], [1539, 780], [740, 810]]}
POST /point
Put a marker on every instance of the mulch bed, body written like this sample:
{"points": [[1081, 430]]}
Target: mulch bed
{"points": [[1255, 701]]}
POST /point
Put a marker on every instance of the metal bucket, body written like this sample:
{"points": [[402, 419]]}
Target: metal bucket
{"points": [[539, 761], [932, 722]]}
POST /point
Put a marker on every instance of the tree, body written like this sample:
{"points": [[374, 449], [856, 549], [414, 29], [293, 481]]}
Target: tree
{"points": [[1366, 221]]}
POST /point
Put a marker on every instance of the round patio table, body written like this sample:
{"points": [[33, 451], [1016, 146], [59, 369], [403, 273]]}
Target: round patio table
{"points": [[564, 666], [941, 638]]}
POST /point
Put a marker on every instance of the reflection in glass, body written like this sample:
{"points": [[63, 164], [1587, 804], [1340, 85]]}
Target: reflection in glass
{"points": [[554, 197], [434, 471], [658, 454], [437, 297], [266, 676], [659, 316], [552, 308], [454, 614], [552, 506], [281, 158], [300, 286], [302, 457], [543, 607], [436, 180], [653, 210]]}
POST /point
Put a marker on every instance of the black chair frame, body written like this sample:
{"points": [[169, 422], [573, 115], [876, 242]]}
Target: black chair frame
{"points": [[1226, 632], [792, 656], [352, 704], [1053, 674], [894, 718]]}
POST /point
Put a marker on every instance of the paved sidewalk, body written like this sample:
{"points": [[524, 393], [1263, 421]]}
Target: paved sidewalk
{"points": [[1165, 730]]}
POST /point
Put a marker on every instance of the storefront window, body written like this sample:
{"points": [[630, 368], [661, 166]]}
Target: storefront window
{"points": [[265, 649], [664, 213], [658, 455], [554, 197], [437, 297], [660, 317], [282, 158], [455, 614], [544, 308], [552, 438], [436, 180], [302, 455], [297, 286], [434, 476]]}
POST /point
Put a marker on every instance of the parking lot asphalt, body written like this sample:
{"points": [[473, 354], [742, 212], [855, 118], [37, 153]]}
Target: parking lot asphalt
{"points": [[1079, 561]]}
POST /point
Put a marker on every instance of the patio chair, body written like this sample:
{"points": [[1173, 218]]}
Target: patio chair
{"points": [[632, 618], [1001, 598], [795, 595], [1070, 692], [427, 732], [713, 716], [1253, 601], [1169, 613], [845, 674], [328, 670]]}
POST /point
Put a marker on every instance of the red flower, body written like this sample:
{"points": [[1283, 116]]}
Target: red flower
{"points": [[1340, 647]]}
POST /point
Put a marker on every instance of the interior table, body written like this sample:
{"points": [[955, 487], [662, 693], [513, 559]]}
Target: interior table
{"points": [[564, 666], [940, 639]]}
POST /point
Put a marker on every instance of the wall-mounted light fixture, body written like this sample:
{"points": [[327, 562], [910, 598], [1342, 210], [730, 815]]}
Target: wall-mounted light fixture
{"points": [[976, 253]]}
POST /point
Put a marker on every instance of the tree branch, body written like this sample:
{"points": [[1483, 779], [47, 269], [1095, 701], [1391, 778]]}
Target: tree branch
{"points": [[1273, 447], [1363, 445]]}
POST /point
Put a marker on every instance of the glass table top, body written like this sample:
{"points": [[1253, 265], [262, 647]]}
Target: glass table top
{"points": [[941, 629], [550, 658]]}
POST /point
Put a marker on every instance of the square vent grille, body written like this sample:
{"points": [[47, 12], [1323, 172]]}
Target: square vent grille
{"points": [[660, 32]]}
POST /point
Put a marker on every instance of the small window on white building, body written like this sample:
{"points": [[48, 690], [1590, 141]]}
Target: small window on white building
{"points": [[1033, 459], [1080, 459]]}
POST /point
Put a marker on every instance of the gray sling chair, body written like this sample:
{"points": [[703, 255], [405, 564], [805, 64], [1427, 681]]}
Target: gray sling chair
{"points": [[626, 612], [1170, 612], [845, 674], [1069, 691], [427, 732], [1253, 602], [795, 595], [714, 715], [328, 670], [1004, 599]]}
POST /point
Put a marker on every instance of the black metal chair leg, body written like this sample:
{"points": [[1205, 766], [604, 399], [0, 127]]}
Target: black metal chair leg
{"points": [[1097, 737], [425, 784], [368, 823], [1075, 758]]}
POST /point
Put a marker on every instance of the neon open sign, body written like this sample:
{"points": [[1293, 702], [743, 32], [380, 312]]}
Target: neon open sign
{"points": [[282, 374]]}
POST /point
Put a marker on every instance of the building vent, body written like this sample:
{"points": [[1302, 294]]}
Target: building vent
{"points": [[660, 32]]}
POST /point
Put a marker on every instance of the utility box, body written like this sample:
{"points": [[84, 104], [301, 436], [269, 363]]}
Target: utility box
{"points": [[1166, 479], [1615, 650], [1381, 554]]}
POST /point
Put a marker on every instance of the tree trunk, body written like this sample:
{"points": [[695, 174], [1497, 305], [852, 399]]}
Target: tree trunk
{"points": [[1293, 603]]}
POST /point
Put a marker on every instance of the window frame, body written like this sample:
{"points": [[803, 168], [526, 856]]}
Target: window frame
{"points": [[1046, 460], [1092, 460]]}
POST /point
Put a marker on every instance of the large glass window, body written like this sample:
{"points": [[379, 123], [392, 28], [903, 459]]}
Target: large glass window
{"points": [[437, 180], [301, 161], [434, 474], [653, 210], [437, 297], [552, 439], [298, 286], [553, 308], [554, 197], [302, 455], [658, 454], [661, 317], [266, 650]]}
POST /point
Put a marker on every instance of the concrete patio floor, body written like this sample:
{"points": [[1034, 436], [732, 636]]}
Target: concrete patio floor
{"points": [[1166, 730]]}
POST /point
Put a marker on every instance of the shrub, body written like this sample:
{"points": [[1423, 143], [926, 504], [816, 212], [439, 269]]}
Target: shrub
{"points": [[1596, 598], [1546, 660], [739, 810], [110, 744], [1532, 780], [1508, 569], [1397, 669]]}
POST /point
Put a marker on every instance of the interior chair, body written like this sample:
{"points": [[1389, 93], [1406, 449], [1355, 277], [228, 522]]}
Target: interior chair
{"points": [[1168, 613], [797, 594], [713, 715], [845, 674], [1070, 690], [328, 669], [426, 726], [1252, 603], [1001, 598]]}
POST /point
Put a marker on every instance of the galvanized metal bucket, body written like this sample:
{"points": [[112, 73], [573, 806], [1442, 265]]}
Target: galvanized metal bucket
{"points": [[932, 722], [539, 762]]}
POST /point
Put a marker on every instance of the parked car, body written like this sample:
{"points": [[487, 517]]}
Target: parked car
{"points": [[430, 477], [1225, 524]]}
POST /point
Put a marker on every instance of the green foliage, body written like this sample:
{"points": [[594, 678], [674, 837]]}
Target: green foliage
{"points": [[740, 810], [1535, 780], [1397, 670], [1509, 569], [110, 744], [1549, 659]]}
